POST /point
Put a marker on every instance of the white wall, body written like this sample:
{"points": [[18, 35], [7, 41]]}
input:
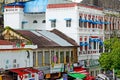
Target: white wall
{"points": [[60, 14], [7, 59], [30, 18], [12, 17]]}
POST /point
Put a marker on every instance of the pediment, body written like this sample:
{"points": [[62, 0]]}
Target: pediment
{"points": [[13, 36]]}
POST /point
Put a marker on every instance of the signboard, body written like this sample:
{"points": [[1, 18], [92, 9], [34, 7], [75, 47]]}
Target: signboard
{"points": [[56, 68]]}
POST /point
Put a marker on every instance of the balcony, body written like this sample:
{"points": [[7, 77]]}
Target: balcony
{"points": [[90, 30], [90, 54], [111, 33]]}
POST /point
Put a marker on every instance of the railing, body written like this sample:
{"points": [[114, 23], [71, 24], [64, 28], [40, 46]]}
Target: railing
{"points": [[88, 56], [94, 54], [91, 30]]}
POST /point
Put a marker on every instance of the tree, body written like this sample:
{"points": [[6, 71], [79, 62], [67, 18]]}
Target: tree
{"points": [[111, 57], [105, 61]]}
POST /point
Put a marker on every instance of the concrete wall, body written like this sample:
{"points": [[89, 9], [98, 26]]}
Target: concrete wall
{"points": [[15, 59], [60, 14]]}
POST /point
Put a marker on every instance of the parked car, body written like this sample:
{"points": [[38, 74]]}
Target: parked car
{"points": [[102, 77]]}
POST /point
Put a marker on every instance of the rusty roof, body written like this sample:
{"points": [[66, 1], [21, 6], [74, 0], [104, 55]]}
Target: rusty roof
{"points": [[38, 40], [42, 40], [4, 42]]}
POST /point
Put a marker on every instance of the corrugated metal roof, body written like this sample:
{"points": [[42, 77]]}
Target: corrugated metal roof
{"points": [[38, 39], [53, 37], [65, 37]]}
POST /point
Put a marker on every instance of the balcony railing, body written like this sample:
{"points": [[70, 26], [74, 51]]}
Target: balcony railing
{"points": [[88, 56], [91, 30]]}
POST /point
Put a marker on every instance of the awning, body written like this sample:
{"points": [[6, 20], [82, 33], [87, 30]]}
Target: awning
{"points": [[23, 22], [52, 19], [81, 70], [98, 22], [101, 43], [77, 75], [91, 39], [90, 21], [83, 20], [106, 22], [84, 43], [94, 39], [81, 43], [67, 19], [22, 71]]}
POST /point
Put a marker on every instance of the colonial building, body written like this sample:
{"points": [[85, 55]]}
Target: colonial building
{"points": [[84, 24]]}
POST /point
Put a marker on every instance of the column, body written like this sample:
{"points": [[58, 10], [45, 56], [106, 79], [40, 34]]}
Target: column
{"points": [[98, 47], [43, 58], [58, 56], [36, 61], [64, 57], [69, 56], [96, 50], [50, 56]]}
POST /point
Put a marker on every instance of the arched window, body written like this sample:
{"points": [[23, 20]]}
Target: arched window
{"points": [[35, 21], [44, 21]]}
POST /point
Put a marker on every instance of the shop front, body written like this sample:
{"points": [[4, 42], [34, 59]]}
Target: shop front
{"points": [[25, 74]]}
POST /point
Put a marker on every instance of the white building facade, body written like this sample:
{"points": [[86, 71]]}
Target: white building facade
{"points": [[16, 18], [84, 24], [12, 57]]}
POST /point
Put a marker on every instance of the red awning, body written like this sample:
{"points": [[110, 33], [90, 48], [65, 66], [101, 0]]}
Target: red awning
{"points": [[21, 71], [84, 71], [81, 70]]}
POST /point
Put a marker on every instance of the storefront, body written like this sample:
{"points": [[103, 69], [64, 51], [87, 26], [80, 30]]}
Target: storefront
{"points": [[26, 74]]}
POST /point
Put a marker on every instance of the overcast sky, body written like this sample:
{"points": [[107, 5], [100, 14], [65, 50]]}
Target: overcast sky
{"points": [[77, 0]]}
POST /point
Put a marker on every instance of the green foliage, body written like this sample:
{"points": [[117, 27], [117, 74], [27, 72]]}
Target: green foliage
{"points": [[111, 58], [105, 61]]}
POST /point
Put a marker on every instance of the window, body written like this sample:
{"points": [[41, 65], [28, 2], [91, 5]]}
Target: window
{"points": [[53, 23], [68, 23], [95, 45], [35, 21], [44, 21], [80, 22]]}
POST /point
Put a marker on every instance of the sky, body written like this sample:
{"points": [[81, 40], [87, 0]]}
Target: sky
{"points": [[77, 0]]}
